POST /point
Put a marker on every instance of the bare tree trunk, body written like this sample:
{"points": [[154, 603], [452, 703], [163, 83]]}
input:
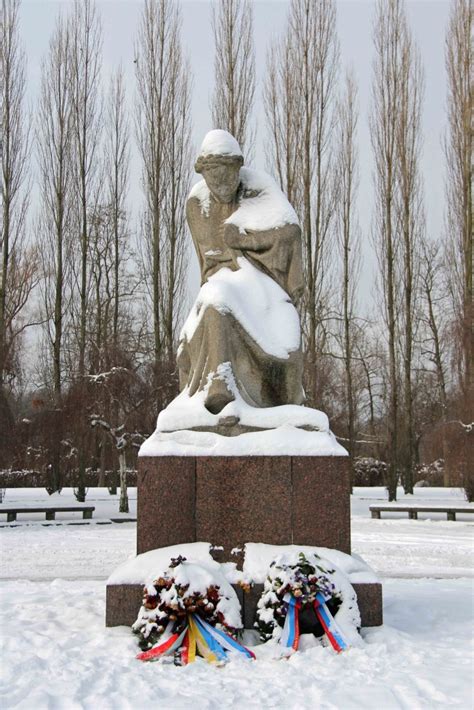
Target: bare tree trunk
{"points": [[458, 150], [234, 67], [347, 175], [123, 505], [102, 462]]}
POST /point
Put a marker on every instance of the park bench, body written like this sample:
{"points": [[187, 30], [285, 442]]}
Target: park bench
{"points": [[413, 510], [50, 511]]}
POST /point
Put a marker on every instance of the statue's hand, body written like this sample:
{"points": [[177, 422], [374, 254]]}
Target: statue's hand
{"points": [[233, 236]]}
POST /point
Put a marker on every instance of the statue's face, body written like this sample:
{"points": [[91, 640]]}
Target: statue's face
{"points": [[222, 180]]}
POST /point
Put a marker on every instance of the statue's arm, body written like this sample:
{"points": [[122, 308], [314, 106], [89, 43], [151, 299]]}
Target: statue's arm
{"points": [[277, 250], [260, 241]]}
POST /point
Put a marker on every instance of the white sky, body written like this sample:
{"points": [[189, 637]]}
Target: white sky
{"points": [[428, 20]]}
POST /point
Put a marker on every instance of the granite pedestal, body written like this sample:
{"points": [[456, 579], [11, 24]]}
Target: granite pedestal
{"points": [[228, 501]]}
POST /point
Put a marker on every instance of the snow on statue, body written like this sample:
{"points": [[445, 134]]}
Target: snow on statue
{"points": [[239, 357]]}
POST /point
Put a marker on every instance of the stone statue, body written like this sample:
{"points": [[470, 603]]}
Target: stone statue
{"points": [[224, 346], [239, 356]]}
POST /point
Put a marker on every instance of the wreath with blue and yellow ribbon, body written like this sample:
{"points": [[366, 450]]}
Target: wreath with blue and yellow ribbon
{"points": [[180, 621]]}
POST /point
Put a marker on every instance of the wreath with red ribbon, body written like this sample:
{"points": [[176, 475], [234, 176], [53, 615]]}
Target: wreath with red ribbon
{"points": [[181, 621], [299, 597]]}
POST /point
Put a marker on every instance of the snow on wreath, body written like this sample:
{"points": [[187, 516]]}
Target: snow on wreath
{"points": [[190, 610], [303, 594]]}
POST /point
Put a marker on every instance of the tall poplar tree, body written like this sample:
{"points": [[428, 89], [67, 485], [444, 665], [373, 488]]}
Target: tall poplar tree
{"points": [[459, 54], [163, 128], [300, 93], [17, 269]]}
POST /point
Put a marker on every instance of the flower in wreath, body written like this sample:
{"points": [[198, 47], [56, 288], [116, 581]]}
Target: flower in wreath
{"points": [[189, 610], [304, 594]]}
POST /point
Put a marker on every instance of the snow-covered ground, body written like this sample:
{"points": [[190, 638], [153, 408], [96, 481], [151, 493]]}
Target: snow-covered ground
{"points": [[56, 652]]}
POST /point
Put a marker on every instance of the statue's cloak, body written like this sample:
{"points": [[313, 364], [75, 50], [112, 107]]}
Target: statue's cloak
{"points": [[242, 337]]}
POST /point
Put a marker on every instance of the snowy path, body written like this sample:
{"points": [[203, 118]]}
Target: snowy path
{"points": [[395, 548]]}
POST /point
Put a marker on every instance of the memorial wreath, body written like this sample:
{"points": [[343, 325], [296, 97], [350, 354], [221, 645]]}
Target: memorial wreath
{"points": [[300, 596], [189, 610]]}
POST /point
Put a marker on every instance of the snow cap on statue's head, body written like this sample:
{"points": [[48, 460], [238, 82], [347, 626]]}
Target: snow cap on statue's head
{"points": [[218, 146]]}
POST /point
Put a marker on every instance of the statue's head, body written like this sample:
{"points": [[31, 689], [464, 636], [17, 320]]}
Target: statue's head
{"points": [[219, 162]]}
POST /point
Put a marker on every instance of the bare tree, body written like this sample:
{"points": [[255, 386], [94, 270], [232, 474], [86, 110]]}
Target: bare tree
{"points": [[14, 159], [371, 357], [85, 48], [409, 227], [234, 69], [55, 176], [388, 30], [110, 332], [305, 75], [458, 150], [122, 387], [399, 220], [163, 132], [349, 238], [122, 441], [85, 39]]}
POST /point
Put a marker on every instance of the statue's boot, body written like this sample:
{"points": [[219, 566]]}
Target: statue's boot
{"points": [[218, 396]]}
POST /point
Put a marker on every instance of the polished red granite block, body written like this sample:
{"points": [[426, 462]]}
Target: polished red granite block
{"points": [[165, 502], [122, 604], [370, 601], [229, 501], [321, 501], [241, 499]]}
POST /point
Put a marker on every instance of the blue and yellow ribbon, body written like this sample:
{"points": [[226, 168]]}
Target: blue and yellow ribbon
{"points": [[198, 636]]}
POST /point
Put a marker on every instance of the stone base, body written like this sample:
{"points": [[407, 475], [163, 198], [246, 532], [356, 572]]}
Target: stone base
{"points": [[124, 601], [228, 501]]}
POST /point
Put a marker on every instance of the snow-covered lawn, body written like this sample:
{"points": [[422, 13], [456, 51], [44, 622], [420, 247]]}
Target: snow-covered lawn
{"points": [[58, 654]]}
